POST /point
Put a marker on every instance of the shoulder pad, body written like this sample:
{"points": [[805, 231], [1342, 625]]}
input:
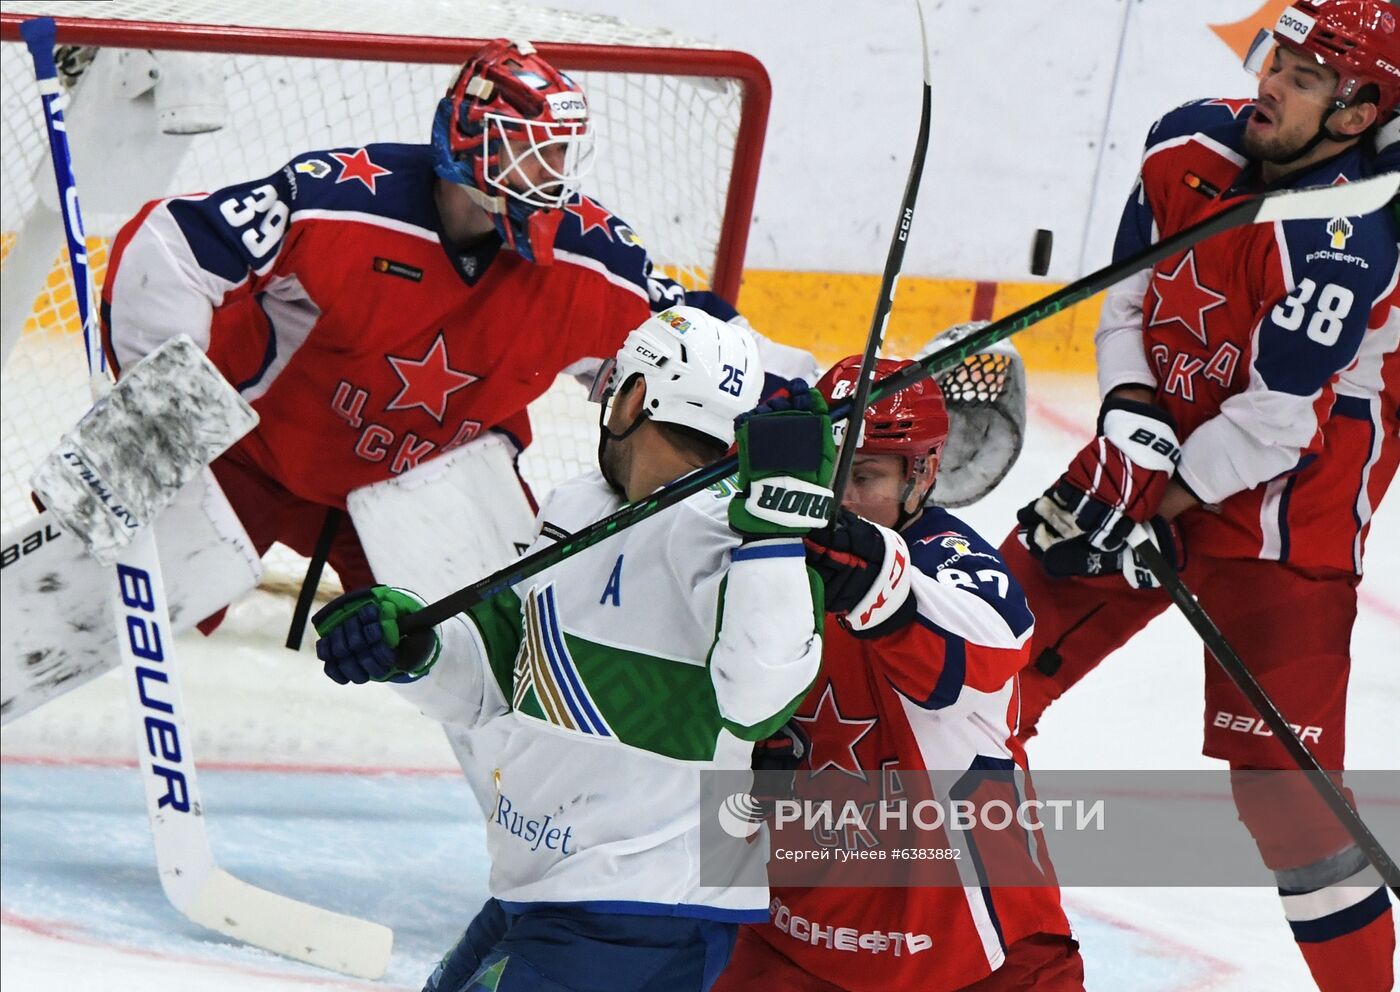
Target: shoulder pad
{"points": [[388, 180], [939, 539], [589, 231], [1221, 119]]}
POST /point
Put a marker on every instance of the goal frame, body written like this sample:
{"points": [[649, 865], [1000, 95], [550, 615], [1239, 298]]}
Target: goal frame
{"points": [[756, 89]]}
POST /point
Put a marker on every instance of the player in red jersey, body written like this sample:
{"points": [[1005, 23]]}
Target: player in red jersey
{"points": [[1249, 417], [380, 306], [918, 672]]}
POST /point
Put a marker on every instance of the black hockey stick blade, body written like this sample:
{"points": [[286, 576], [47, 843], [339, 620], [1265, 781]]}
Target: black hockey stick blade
{"points": [[1249, 686], [894, 264], [1348, 200]]}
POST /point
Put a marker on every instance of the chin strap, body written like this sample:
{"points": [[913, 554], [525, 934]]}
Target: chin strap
{"points": [[1324, 133], [605, 435]]}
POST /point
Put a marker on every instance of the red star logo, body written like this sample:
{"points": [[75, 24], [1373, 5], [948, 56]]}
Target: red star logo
{"points": [[428, 381], [591, 215], [1182, 298], [833, 737], [1237, 105], [358, 166]]}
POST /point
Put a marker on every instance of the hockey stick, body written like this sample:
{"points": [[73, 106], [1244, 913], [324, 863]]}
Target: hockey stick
{"points": [[192, 881], [311, 581], [894, 262], [1348, 200], [1248, 686]]}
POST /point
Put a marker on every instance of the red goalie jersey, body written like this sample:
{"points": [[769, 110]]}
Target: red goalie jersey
{"points": [[1274, 346], [940, 693], [329, 296]]}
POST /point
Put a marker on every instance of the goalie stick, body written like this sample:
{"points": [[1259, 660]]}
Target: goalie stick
{"points": [[1234, 668], [894, 262], [1348, 200], [189, 876]]}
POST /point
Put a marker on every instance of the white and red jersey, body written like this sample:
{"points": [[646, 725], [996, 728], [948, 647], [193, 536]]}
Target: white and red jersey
{"points": [[329, 296], [1274, 346], [940, 693]]}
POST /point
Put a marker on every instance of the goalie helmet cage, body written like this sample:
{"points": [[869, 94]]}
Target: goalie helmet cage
{"points": [[681, 130]]}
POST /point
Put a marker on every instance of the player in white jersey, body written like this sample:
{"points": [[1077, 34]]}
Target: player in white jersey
{"points": [[625, 671]]}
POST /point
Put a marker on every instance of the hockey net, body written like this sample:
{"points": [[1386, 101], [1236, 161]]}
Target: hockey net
{"points": [[680, 130]]}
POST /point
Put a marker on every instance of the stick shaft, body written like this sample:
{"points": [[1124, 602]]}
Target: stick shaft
{"points": [[1250, 688], [894, 264]]}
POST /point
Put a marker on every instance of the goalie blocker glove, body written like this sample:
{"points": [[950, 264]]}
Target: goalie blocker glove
{"points": [[866, 573], [786, 460], [1116, 482], [360, 640]]}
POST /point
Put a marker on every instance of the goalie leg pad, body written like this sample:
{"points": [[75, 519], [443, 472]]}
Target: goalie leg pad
{"points": [[441, 525], [59, 632]]}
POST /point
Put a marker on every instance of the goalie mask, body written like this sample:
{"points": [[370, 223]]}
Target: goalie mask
{"points": [[913, 423], [700, 373], [516, 134]]}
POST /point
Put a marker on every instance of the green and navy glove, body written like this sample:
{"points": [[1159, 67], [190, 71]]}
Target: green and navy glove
{"points": [[786, 460], [360, 639]]}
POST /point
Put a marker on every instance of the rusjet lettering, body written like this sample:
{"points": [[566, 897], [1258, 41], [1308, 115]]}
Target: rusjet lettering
{"points": [[776, 499], [144, 638], [28, 544], [532, 830], [839, 938]]}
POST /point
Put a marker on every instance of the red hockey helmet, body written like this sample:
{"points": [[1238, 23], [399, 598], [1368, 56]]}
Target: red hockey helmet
{"points": [[1357, 39], [516, 133], [913, 423]]}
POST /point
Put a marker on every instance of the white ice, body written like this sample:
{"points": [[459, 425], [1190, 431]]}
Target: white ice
{"points": [[395, 836]]}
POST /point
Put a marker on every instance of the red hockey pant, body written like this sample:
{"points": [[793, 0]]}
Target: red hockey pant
{"points": [[1291, 627]]}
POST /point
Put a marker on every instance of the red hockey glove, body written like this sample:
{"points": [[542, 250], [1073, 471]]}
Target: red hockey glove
{"points": [[865, 572], [1115, 483]]}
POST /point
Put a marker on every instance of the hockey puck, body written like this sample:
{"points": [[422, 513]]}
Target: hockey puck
{"points": [[1040, 251]]}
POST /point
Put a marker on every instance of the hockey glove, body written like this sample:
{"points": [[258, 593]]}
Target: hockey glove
{"points": [[786, 460], [866, 573], [775, 763], [360, 640], [784, 751], [1112, 485], [1078, 558]]}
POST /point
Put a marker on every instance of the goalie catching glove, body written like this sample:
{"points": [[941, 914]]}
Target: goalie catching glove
{"points": [[360, 640], [865, 572], [1116, 482], [786, 460]]}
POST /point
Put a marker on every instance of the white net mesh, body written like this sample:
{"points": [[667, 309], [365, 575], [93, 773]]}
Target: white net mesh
{"points": [[666, 151]]}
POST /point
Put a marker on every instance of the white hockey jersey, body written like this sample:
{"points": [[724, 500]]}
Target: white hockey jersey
{"points": [[622, 673]]}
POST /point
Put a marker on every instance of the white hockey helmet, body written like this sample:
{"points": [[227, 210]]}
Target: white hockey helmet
{"points": [[700, 372]]}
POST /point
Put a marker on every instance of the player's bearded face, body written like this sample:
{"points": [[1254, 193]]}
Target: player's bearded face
{"points": [[1295, 94]]}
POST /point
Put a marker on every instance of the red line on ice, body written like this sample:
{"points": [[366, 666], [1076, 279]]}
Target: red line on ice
{"points": [[72, 933], [1220, 969]]}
